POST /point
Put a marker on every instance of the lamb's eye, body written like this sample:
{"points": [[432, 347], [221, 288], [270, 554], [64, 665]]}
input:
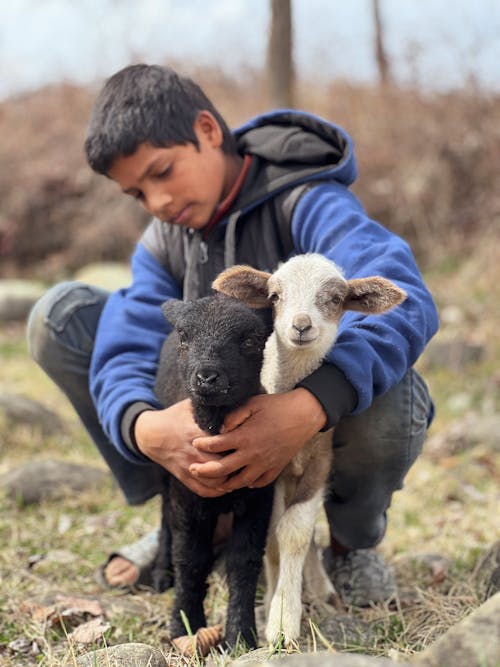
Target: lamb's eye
{"points": [[247, 344], [183, 342], [337, 299], [274, 297]]}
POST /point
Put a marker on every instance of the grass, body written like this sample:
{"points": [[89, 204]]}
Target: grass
{"points": [[449, 507]]}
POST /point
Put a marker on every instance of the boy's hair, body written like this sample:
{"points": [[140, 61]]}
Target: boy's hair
{"points": [[146, 103]]}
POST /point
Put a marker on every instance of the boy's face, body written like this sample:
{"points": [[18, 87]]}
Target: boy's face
{"points": [[180, 184]]}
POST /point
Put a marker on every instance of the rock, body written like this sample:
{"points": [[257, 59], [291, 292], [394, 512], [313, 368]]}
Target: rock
{"points": [[343, 631], [474, 642], [122, 655], [433, 567], [45, 479], [108, 275], [263, 658], [21, 411], [473, 430], [454, 353], [17, 297], [487, 571]]}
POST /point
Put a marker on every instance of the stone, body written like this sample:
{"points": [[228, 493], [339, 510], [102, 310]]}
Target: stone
{"points": [[17, 297], [342, 631], [455, 353], [123, 655], [487, 571], [470, 431], [108, 275], [21, 411], [47, 479], [474, 642], [264, 658]]}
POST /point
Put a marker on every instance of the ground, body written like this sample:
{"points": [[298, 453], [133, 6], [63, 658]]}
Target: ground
{"points": [[449, 505]]}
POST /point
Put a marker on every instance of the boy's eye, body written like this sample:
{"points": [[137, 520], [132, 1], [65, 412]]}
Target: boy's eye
{"points": [[165, 172], [136, 194]]}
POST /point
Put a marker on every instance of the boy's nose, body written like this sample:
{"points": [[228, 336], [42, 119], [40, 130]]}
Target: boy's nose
{"points": [[158, 203]]}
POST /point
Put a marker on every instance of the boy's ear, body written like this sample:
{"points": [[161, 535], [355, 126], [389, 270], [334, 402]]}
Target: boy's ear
{"points": [[171, 310], [209, 127], [245, 284], [372, 295]]}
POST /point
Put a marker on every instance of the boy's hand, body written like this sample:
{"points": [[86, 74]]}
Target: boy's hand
{"points": [[265, 434], [166, 436]]}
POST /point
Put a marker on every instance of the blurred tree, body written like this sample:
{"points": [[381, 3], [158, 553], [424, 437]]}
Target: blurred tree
{"points": [[279, 54], [384, 70]]}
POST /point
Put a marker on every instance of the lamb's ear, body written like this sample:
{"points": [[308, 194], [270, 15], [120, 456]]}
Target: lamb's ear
{"points": [[171, 309], [372, 295], [245, 284]]}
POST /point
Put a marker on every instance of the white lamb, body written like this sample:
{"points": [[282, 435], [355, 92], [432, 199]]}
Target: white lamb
{"points": [[309, 295]]}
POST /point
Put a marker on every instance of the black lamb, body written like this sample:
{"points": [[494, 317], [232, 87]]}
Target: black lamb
{"points": [[214, 356]]}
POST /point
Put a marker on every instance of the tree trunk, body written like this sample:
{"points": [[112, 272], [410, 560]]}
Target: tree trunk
{"points": [[380, 52], [279, 54]]}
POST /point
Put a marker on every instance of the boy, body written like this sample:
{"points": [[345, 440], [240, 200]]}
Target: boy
{"points": [[275, 187]]}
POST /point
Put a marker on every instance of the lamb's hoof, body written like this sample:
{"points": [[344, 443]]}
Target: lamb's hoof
{"points": [[335, 601], [280, 640]]}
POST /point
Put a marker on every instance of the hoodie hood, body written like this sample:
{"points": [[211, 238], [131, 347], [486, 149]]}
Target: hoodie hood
{"points": [[296, 147]]}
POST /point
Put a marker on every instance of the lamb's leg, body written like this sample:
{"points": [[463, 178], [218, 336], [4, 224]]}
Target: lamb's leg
{"points": [[317, 584], [243, 564], [192, 528], [272, 556], [163, 574], [294, 533]]}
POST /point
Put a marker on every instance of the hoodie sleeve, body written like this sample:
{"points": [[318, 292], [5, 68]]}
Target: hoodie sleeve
{"points": [[372, 353], [129, 337]]}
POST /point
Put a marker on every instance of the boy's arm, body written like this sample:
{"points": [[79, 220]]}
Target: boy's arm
{"points": [[122, 376], [130, 334], [372, 353]]}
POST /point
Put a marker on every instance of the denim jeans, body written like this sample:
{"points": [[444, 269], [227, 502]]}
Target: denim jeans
{"points": [[373, 450]]}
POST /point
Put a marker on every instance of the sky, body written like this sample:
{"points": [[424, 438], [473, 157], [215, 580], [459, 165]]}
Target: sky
{"points": [[436, 44]]}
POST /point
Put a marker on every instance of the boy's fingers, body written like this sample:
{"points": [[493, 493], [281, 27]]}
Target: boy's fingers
{"points": [[227, 465], [211, 444], [265, 479], [205, 491], [210, 469], [236, 418]]}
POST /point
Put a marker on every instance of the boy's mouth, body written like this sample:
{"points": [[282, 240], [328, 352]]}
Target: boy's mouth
{"points": [[182, 217]]}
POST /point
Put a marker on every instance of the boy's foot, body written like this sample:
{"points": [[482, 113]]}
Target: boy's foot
{"points": [[121, 572], [360, 577], [131, 565]]}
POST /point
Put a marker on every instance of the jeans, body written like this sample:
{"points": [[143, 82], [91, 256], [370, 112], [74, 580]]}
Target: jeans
{"points": [[373, 450]]}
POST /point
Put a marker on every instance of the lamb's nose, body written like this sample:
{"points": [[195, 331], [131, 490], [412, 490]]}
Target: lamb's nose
{"points": [[302, 323], [207, 376]]}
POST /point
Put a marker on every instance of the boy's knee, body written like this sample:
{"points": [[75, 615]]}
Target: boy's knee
{"points": [[65, 317], [357, 530], [38, 329]]}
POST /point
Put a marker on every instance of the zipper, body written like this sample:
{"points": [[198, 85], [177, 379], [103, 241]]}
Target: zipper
{"points": [[203, 252]]}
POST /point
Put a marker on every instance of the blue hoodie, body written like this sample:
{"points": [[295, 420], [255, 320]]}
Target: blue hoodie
{"points": [[288, 149]]}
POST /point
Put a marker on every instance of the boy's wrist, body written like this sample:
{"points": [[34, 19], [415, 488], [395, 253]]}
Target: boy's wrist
{"points": [[311, 407], [333, 391], [128, 424]]}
